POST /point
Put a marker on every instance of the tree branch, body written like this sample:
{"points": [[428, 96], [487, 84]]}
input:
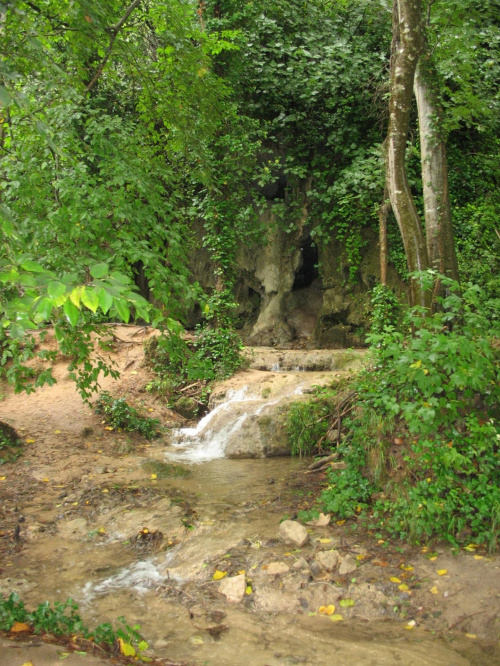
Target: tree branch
{"points": [[113, 30]]}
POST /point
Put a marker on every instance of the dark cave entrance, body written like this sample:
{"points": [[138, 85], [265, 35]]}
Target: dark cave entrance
{"points": [[307, 271]]}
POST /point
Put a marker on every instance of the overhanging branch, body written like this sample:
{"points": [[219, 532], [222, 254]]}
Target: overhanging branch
{"points": [[113, 30]]}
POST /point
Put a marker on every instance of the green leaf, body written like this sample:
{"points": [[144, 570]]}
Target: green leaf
{"points": [[5, 98], [99, 270], [122, 309], [90, 299], [105, 300], [76, 296], [56, 289], [71, 312], [44, 309], [346, 603], [32, 266]]}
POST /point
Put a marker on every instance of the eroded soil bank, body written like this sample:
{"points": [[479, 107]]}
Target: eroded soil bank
{"points": [[82, 498]]}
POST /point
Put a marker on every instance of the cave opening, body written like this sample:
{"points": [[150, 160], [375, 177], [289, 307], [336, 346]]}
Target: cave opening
{"points": [[307, 271]]}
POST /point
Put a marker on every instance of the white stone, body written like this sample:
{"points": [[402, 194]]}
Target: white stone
{"points": [[233, 588], [348, 565], [321, 521], [294, 533], [276, 568], [300, 564], [328, 559]]}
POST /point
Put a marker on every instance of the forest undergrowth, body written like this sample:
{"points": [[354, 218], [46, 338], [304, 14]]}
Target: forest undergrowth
{"points": [[418, 430]]}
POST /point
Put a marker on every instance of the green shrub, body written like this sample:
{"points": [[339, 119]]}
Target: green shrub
{"points": [[63, 620], [437, 394], [307, 423], [10, 445], [120, 414], [176, 361]]}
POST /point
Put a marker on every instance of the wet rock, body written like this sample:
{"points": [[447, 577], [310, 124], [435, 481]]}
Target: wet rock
{"points": [[233, 588], [316, 569], [300, 565], [187, 407], [348, 565], [294, 533], [276, 568], [328, 559]]}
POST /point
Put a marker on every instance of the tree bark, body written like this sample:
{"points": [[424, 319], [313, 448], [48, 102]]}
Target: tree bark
{"points": [[438, 222], [407, 47], [383, 212]]}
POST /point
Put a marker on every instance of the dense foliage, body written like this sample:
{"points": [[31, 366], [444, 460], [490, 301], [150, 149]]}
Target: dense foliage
{"points": [[423, 448]]}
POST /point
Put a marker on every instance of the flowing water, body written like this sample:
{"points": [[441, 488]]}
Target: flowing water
{"points": [[223, 512]]}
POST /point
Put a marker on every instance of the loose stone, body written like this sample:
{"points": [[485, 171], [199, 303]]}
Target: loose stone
{"points": [[293, 532]]}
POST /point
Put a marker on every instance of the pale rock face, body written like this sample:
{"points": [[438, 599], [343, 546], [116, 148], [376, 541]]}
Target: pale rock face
{"points": [[348, 565], [276, 568], [328, 559], [294, 533], [233, 588]]}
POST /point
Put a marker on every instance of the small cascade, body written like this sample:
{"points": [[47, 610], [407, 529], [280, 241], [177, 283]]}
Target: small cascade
{"points": [[231, 421]]}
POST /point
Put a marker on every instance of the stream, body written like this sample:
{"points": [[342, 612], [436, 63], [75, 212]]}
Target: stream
{"points": [[213, 513]]}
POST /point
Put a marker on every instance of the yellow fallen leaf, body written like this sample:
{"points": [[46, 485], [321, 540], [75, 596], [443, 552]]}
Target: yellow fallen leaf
{"points": [[248, 589], [108, 428], [434, 590], [380, 541], [45, 480], [19, 626], [219, 574], [57, 432], [478, 557], [2, 478], [327, 610], [104, 490], [441, 572], [471, 635], [30, 441], [28, 663], [433, 558], [101, 530], [324, 540], [336, 618], [126, 649], [393, 579], [340, 522], [360, 557], [241, 572], [74, 503], [471, 547], [154, 476], [149, 409], [406, 567], [403, 587]]}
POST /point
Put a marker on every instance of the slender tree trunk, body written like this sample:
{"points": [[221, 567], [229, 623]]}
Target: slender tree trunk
{"points": [[438, 223], [383, 212], [407, 47]]}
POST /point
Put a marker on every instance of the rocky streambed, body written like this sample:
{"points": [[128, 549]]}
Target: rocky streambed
{"points": [[201, 555]]}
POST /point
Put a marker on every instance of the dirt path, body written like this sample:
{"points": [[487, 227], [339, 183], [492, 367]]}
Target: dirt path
{"points": [[73, 506]]}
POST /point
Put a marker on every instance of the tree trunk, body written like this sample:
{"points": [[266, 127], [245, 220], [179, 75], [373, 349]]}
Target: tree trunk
{"points": [[383, 212], [438, 224], [407, 47]]}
